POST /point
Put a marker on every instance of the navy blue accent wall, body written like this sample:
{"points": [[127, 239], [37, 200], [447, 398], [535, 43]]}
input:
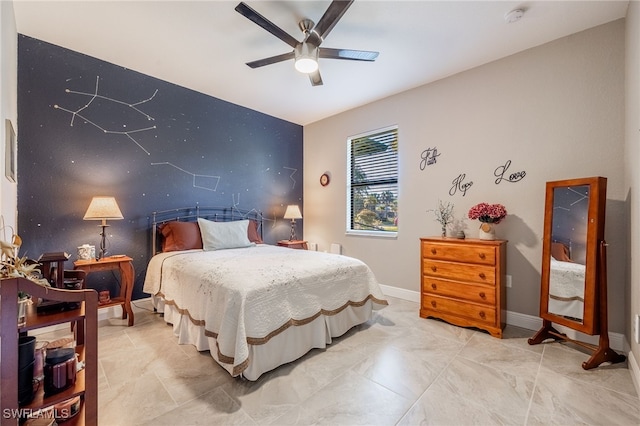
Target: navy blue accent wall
{"points": [[88, 127]]}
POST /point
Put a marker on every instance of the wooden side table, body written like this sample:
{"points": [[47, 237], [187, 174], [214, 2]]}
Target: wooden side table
{"points": [[294, 244], [125, 266]]}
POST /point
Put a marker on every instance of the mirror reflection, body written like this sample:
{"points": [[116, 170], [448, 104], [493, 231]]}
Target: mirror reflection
{"points": [[568, 251]]}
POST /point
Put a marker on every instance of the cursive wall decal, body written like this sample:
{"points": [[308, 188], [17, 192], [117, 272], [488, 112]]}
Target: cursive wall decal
{"points": [[428, 157], [460, 185], [501, 171]]}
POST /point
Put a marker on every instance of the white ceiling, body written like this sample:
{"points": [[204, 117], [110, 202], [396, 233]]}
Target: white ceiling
{"points": [[203, 45]]}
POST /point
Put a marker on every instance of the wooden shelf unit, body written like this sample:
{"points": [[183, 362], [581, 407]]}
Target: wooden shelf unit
{"points": [[86, 334]]}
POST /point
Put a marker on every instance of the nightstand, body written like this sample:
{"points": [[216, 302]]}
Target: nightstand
{"points": [[294, 244], [124, 265]]}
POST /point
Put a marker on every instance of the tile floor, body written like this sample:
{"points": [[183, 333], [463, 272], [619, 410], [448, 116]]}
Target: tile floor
{"points": [[397, 369]]}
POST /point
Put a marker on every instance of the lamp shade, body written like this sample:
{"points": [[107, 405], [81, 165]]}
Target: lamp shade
{"points": [[102, 208], [293, 212]]}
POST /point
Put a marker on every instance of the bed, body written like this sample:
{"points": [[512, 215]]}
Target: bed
{"points": [[566, 283], [254, 306]]}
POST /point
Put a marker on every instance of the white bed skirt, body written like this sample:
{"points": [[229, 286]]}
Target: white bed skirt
{"points": [[567, 308], [282, 348]]}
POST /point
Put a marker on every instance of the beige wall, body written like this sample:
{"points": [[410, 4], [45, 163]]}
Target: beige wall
{"points": [[556, 111], [632, 175], [8, 106]]}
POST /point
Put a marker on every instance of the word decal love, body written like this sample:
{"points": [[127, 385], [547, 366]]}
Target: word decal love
{"points": [[501, 172]]}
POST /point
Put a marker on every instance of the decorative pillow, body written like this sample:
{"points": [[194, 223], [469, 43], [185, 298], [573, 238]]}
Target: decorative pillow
{"points": [[560, 252], [252, 232], [224, 235], [180, 236]]}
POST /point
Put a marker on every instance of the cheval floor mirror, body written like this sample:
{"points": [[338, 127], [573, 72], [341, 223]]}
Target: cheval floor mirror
{"points": [[573, 291]]}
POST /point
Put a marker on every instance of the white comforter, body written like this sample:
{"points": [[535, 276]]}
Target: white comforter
{"points": [[245, 296], [566, 280]]}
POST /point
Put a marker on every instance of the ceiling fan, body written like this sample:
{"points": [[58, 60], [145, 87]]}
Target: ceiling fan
{"points": [[307, 52]]}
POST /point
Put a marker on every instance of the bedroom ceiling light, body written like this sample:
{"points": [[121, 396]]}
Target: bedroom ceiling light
{"points": [[293, 213], [306, 58], [103, 208]]}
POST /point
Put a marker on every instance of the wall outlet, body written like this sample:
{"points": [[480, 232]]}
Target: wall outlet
{"points": [[636, 328], [508, 283]]}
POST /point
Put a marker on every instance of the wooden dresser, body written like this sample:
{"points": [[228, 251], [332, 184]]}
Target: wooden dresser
{"points": [[463, 282]]}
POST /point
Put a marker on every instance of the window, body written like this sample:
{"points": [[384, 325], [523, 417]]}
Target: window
{"points": [[372, 183]]}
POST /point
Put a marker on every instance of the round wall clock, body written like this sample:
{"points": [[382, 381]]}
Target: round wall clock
{"points": [[324, 179]]}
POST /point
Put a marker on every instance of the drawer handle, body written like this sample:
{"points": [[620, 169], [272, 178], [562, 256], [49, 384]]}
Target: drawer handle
{"points": [[433, 268], [433, 251], [433, 286], [482, 314], [482, 275], [433, 303], [482, 295], [482, 256]]}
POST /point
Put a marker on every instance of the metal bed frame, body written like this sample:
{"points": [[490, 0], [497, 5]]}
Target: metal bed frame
{"points": [[191, 214]]}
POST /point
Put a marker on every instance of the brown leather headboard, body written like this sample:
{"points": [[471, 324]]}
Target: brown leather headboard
{"points": [[561, 252]]}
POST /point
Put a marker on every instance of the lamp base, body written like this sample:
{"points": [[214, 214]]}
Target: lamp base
{"points": [[103, 243], [292, 237]]}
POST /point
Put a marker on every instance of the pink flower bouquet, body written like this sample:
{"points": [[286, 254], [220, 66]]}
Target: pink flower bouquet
{"points": [[488, 213]]}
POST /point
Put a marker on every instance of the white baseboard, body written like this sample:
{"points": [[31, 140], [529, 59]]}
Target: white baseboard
{"points": [[634, 368], [400, 293], [617, 341]]}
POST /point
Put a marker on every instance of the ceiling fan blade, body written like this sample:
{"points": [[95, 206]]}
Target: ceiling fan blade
{"points": [[353, 55], [331, 16], [251, 14], [315, 78], [271, 60]]}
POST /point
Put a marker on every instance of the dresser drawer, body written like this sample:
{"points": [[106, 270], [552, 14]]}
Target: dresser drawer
{"points": [[484, 255], [471, 311], [460, 272], [468, 292]]}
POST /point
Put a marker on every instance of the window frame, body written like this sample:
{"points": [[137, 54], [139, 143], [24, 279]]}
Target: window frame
{"points": [[349, 182]]}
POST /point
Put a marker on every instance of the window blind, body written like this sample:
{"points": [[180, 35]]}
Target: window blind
{"points": [[373, 182]]}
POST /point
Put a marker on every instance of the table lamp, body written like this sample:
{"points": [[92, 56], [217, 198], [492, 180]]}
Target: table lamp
{"points": [[293, 213], [103, 208]]}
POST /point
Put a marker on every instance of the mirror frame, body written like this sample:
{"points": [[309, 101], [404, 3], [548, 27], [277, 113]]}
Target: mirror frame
{"points": [[595, 235]]}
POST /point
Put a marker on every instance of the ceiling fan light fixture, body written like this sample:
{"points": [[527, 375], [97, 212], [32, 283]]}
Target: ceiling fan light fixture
{"points": [[306, 58]]}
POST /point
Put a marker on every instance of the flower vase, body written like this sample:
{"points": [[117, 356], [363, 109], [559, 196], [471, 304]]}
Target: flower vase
{"points": [[487, 232], [444, 231]]}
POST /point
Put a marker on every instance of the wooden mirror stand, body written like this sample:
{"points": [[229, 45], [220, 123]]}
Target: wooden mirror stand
{"points": [[573, 290]]}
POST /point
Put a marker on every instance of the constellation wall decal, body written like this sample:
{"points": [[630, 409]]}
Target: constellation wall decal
{"points": [[581, 196], [235, 208], [291, 175], [94, 96], [197, 178]]}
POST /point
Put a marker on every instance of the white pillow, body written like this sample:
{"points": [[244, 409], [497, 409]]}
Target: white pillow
{"points": [[224, 235]]}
